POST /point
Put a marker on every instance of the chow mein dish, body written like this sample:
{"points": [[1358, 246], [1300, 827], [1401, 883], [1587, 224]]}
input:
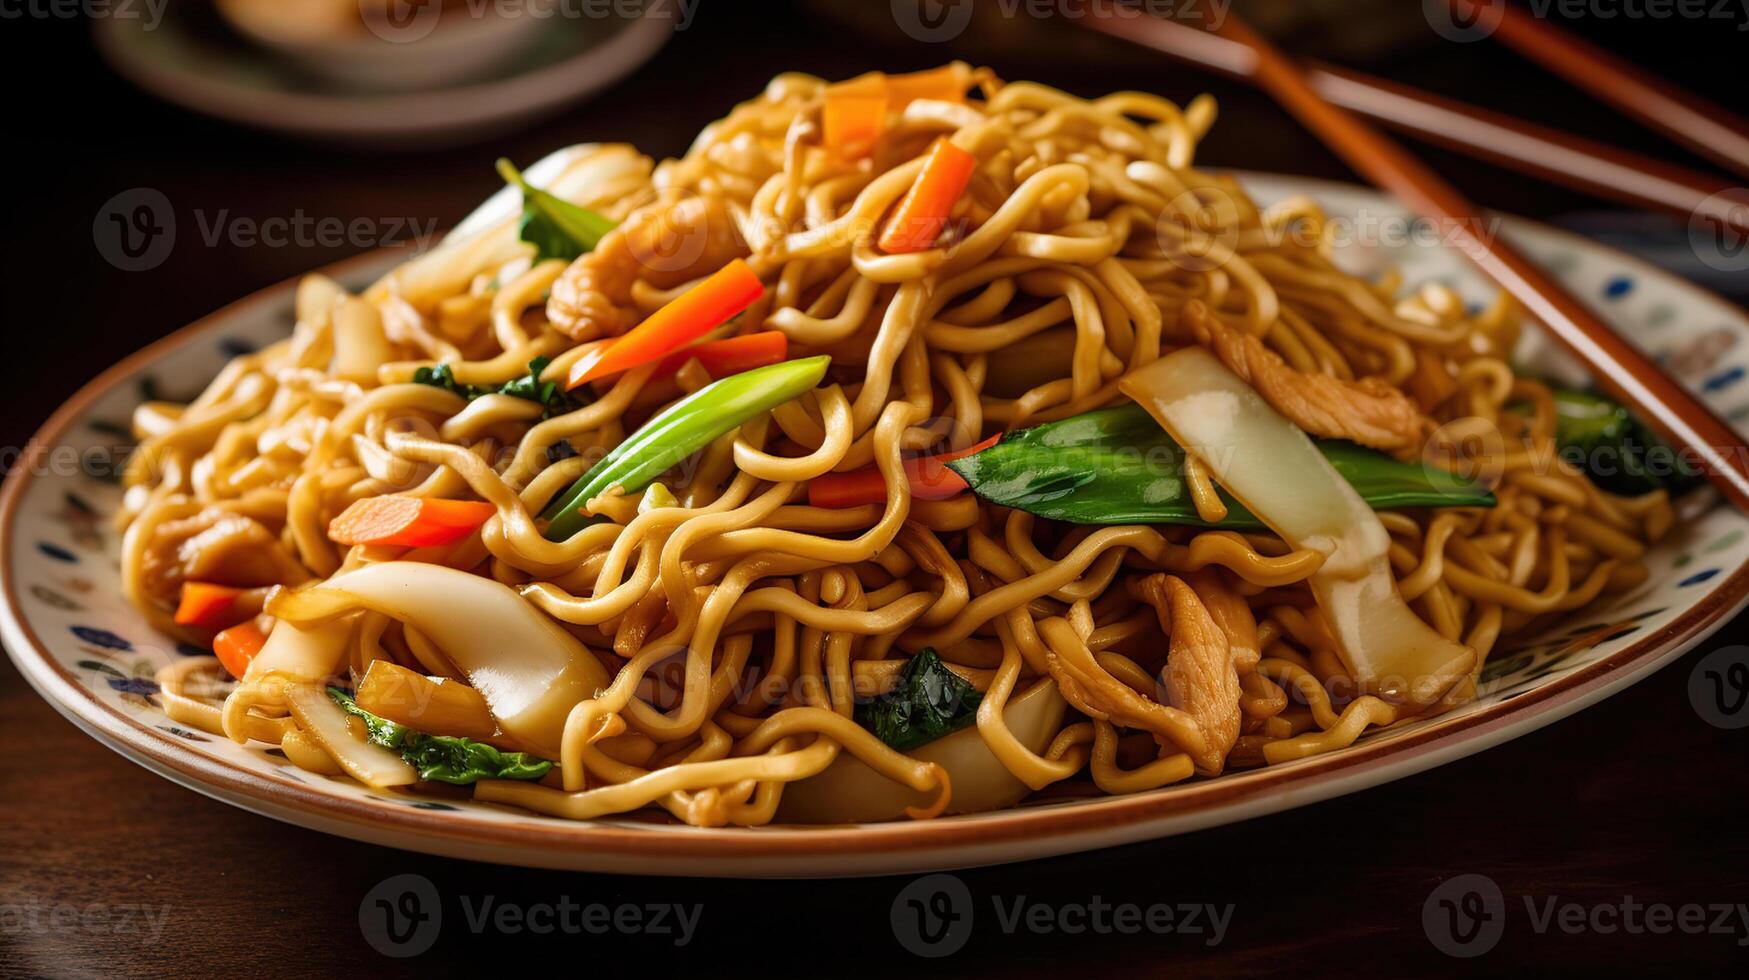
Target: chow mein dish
{"points": [[911, 445]]}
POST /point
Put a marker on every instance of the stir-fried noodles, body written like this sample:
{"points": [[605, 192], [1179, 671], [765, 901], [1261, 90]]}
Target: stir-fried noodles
{"points": [[679, 491]]}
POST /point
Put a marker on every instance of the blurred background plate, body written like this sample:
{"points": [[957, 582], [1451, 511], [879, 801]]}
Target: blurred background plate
{"points": [[397, 85]]}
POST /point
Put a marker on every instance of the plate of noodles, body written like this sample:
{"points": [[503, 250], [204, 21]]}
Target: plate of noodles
{"points": [[925, 471]]}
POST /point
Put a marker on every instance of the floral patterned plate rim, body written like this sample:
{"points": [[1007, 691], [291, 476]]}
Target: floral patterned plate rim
{"points": [[93, 658]]}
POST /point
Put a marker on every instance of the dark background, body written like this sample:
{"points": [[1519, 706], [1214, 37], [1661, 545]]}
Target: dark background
{"points": [[1634, 797]]}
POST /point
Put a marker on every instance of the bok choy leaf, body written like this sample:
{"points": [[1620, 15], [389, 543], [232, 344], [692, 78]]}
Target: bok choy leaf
{"points": [[1620, 454], [555, 227], [928, 702], [1117, 466]]}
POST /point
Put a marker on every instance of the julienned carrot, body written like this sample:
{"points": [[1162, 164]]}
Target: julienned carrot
{"points": [[412, 522], [855, 114], [919, 219], [945, 84], [209, 605], [686, 318], [731, 355], [929, 477], [238, 645]]}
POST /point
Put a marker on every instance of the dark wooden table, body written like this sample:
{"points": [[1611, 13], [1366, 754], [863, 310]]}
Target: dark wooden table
{"points": [[105, 868]]}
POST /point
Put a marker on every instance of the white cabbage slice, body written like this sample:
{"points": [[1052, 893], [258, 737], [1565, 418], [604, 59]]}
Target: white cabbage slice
{"points": [[1273, 468], [326, 722], [308, 654], [529, 669]]}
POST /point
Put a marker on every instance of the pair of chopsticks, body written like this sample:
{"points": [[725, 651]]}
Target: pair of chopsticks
{"points": [[1540, 151], [1698, 124], [1619, 368]]}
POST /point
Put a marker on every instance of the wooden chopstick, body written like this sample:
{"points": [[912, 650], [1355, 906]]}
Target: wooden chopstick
{"points": [[1618, 368], [1543, 152], [1702, 126], [1550, 154]]}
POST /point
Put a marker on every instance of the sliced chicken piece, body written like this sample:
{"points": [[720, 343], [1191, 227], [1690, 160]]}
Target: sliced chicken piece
{"points": [[1369, 411], [216, 546], [1200, 678], [664, 244], [1094, 692], [1231, 613]]}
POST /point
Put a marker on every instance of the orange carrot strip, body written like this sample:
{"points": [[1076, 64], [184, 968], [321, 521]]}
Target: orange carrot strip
{"points": [[238, 645], [947, 84], [686, 318], [209, 605], [855, 112], [920, 217], [411, 522], [732, 355], [929, 477], [853, 489], [855, 115]]}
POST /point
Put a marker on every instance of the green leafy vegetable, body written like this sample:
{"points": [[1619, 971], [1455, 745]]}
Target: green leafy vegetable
{"points": [[1616, 450], [928, 702], [440, 376], [548, 394], [444, 758], [555, 227], [554, 399], [1117, 466]]}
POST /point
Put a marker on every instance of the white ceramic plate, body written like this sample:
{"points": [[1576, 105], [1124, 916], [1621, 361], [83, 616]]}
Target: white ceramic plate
{"points": [[93, 657]]}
